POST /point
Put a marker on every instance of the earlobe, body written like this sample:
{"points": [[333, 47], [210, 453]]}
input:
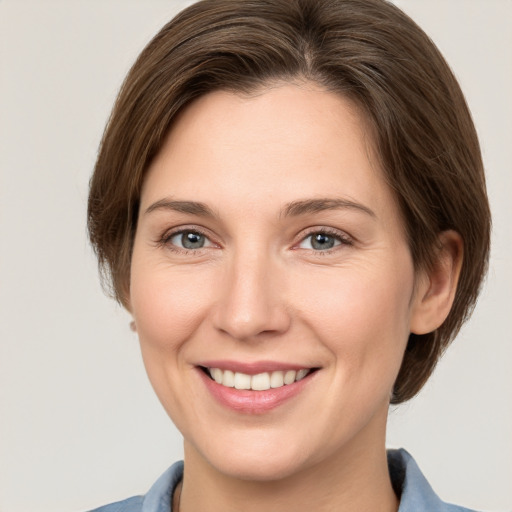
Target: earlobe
{"points": [[436, 288]]}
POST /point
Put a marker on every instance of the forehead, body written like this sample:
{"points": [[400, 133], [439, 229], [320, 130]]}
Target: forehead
{"points": [[282, 143], [283, 115]]}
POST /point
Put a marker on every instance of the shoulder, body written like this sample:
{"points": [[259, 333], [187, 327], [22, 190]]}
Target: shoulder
{"points": [[157, 499], [416, 494]]}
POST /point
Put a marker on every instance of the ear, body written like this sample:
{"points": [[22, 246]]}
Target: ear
{"points": [[435, 289]]}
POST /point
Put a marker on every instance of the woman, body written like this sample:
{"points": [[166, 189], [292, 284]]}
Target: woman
{"points": [[289, 199]]}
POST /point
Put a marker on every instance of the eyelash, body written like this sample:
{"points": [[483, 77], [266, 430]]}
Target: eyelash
{"points": [[166, 238], [342, 238]]}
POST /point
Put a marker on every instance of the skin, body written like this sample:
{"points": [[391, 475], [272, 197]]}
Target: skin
{"points": [[259, 290]]}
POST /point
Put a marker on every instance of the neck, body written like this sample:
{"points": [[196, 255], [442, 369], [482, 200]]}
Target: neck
{"points": [[355, 479]]}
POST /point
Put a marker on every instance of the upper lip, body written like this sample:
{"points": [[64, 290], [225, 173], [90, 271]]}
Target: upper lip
{"points": [[253, 368]]}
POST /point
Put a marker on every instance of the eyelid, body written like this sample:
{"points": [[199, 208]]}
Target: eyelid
{"points": [[165, 238], [343, 238], [208, 242]]}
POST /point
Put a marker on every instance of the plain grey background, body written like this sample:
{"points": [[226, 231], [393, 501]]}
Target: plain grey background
{"points": [[79, 424]]}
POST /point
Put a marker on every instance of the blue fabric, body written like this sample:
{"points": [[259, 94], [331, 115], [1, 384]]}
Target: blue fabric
{"points": [[158, 499], [415, 492]]}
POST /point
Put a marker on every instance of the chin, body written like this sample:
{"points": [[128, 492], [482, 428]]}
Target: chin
{"points": [[260, 469], [262, 458]]}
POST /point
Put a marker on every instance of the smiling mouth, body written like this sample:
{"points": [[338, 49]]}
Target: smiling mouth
{"points": [[259, 382]]}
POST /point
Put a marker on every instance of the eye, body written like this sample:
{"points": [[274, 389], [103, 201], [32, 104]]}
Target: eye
{"points": [[189, 240], [323, 241]]}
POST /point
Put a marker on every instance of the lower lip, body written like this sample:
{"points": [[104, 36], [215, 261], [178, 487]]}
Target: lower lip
{"points": [[253, 402]]}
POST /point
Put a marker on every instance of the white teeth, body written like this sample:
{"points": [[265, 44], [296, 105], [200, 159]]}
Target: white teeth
{"points": [[289, 376], [277, 379], [301, 374], [259, 382], [216, 373], [228, 379], [242, 381]]}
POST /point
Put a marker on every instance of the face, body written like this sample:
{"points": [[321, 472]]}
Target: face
{"points": [[271, 283]]}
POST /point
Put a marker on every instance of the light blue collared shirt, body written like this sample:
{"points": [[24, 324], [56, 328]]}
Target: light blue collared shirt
{"points": [[416, 495]]}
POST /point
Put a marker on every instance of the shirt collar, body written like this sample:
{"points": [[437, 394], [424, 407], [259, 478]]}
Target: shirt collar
{"points": [[416, 494]]}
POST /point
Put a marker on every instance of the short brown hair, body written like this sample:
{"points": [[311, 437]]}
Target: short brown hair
{"points": [[366, 50]]}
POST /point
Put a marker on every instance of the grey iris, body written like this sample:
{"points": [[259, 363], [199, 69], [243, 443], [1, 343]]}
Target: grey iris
{"points": [[322, 241], [191, 240]]}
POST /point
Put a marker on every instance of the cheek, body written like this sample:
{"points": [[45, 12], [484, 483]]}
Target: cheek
{"points": [[166, 304], [362, 317]]}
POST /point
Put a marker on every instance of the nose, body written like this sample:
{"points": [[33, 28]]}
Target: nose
{"points": [[251, 299]]}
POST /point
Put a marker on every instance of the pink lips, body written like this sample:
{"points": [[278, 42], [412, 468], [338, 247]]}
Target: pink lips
{"points": [[249, 401]]}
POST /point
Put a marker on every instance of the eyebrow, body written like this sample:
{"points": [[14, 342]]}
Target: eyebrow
{"points": [[293, 209], [191, 207], [302, 207]]}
